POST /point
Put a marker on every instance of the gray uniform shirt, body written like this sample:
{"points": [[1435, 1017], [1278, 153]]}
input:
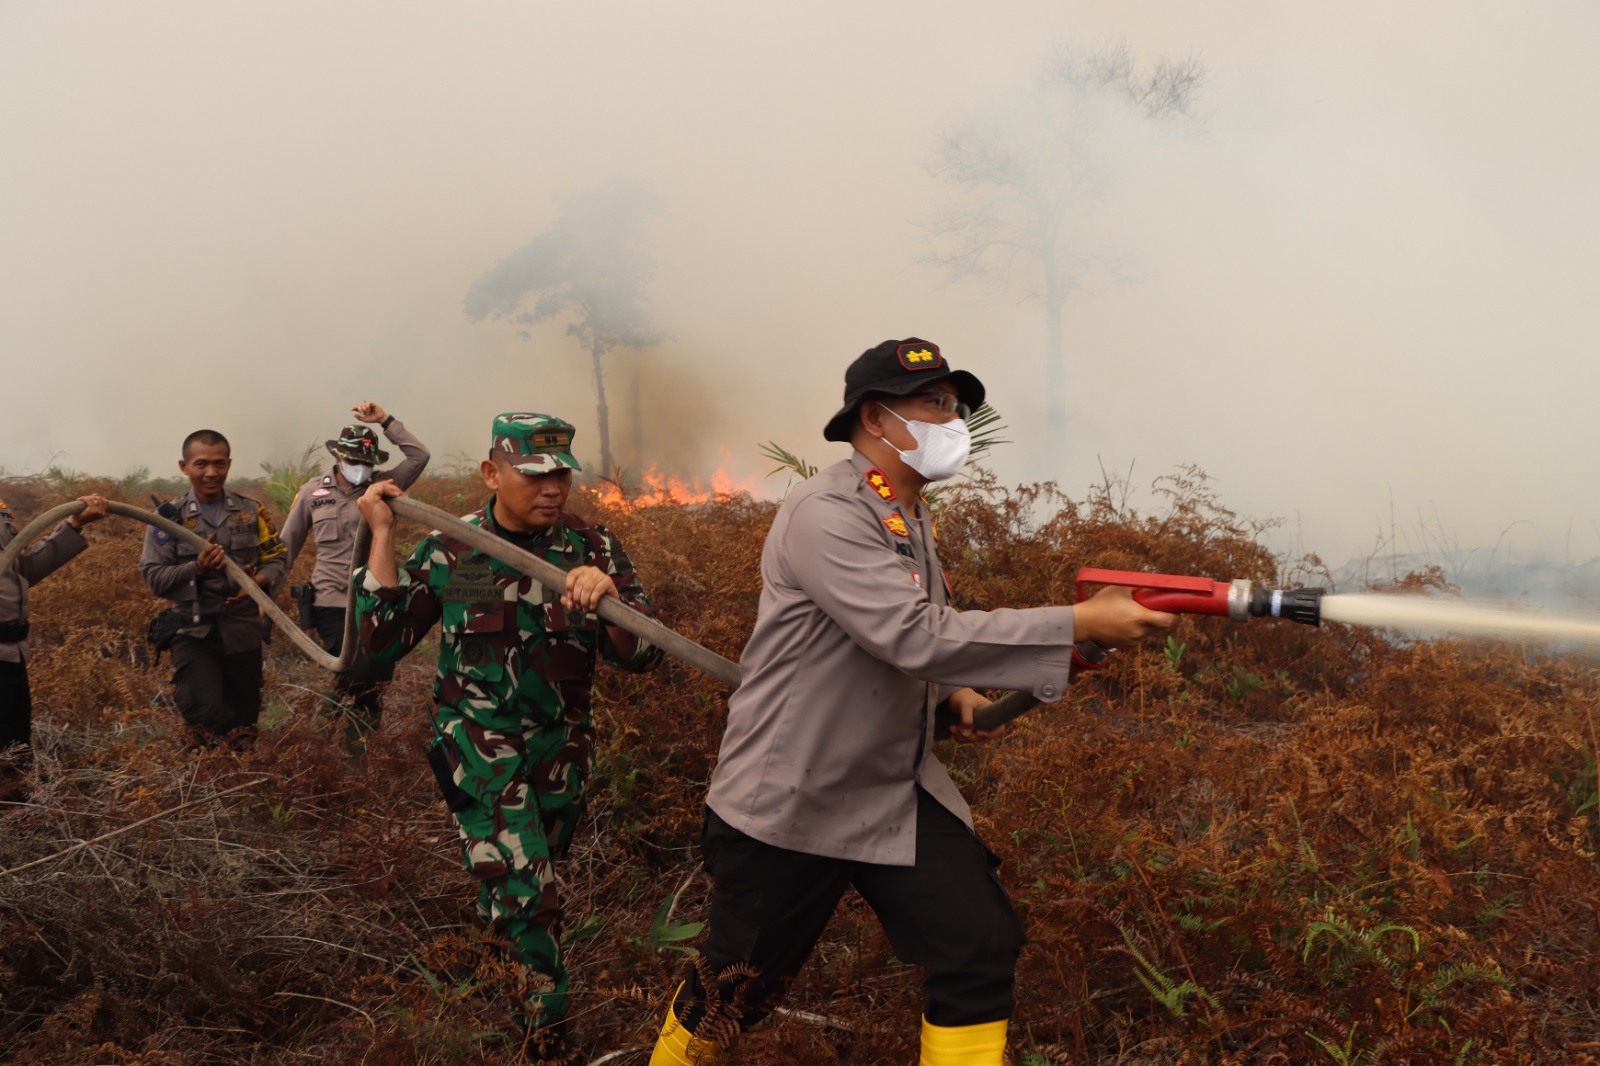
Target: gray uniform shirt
{"points": [[831, 730], [33, 566], [247, 535], [329, 512]]}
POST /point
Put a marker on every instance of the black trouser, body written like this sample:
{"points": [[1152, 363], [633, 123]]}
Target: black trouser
{"points": [[216, 692], [947, 914], [16, 705], [362, 683]]}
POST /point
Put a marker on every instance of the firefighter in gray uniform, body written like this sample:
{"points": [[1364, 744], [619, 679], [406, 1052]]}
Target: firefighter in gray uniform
{"points": [[325, 508], [216, 654], [40, 560], [827, 777]]}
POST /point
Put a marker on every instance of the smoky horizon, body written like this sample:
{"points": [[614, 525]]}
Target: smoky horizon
{"points": [[1351, 281]]}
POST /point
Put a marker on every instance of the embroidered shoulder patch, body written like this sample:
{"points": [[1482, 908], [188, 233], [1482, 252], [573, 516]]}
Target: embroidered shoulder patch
{"points": [[897, 525], [920, 356], [879, 483]]}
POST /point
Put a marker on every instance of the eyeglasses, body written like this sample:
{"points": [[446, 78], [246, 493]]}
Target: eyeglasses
{"points": [[943, 402]]}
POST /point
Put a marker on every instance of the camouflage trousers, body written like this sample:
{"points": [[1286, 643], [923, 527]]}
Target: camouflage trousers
{"points": [[516, 799]]}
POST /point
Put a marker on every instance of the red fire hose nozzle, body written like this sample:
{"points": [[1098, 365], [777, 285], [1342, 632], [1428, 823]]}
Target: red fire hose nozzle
{"points": [[1239, 600], [1175, 594]]}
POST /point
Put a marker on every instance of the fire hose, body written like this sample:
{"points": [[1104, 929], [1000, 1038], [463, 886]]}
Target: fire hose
{"points": [[546, 573], [1238, 600]]}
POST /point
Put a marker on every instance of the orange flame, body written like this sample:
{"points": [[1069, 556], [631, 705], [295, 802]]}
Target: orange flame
{"points": [[662, 489]]}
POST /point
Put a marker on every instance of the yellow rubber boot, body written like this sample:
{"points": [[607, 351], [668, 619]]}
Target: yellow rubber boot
{"points": [[672, 1048], [963, 1045]]}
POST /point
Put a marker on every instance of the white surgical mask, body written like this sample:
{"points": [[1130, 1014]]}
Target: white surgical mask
{"points": [[355, 473], [942, 447]]}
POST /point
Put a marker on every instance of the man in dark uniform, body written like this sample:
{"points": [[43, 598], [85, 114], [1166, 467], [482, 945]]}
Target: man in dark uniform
{"points": [[216, 655], [826, 778], [327, 509], [40, 560]]}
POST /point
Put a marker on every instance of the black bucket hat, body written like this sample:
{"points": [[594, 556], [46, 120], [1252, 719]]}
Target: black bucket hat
{"points": [[897, 368]]}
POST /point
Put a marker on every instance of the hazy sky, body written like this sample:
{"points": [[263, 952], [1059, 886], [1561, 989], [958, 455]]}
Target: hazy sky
{"points": [[1366, 287]]}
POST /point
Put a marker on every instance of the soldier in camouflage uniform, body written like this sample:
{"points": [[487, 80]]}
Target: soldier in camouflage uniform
{"points": [[514, 735]]}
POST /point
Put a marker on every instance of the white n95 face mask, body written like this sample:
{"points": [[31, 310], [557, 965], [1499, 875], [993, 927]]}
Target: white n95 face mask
{"points": [[942, 447], [355, 473]]}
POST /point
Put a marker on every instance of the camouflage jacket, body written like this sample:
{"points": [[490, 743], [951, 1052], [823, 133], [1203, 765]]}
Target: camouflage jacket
{"points": [[511, 658]]}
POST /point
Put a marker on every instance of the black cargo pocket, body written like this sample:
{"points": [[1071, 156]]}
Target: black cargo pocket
{"points": [[439, 761]]}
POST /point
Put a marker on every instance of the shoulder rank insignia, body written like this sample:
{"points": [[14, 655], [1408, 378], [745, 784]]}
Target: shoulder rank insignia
{"points": [[897, 525], [920, 356], [879, 484]]}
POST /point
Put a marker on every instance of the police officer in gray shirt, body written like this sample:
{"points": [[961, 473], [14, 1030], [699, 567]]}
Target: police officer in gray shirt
{"points": [[40, 560], [325, 509], [216, 655], [826, 778]]}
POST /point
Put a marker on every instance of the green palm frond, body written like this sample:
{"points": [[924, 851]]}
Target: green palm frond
{"points": [[786, 460]]}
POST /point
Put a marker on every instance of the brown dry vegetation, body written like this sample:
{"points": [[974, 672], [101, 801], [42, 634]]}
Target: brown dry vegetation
{"points": [[1265, 844]]}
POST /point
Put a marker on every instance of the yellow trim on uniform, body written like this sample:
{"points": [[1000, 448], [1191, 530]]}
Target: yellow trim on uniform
{"points": [[267, 537], [963, 1045]]}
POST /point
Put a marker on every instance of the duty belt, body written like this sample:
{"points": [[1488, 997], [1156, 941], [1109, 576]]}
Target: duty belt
{"points": [[11, 632]]}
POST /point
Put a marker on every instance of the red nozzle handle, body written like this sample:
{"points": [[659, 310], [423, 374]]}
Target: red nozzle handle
{"points": [[1163, 592]]}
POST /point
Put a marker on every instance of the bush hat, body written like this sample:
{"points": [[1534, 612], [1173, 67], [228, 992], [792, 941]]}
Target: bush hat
{"points": [[537, 444], [897, 368], [358, 444]]}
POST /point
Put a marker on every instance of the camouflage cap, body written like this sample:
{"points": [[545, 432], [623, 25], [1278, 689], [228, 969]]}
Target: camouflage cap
{"points": [[358, 444], [535, 444]]}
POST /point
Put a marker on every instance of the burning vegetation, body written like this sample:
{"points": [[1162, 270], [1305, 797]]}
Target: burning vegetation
{"points": [[1256, 844]]}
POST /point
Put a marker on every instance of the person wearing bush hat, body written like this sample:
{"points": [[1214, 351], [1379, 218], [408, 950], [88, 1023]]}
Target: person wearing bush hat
{"points": [[514, 733], [827, 778], [326, 509]]}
